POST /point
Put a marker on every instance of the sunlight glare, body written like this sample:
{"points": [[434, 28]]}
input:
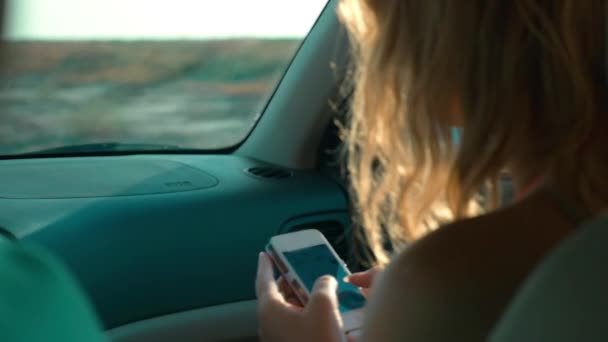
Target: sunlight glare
{"points": [[159, 19]]}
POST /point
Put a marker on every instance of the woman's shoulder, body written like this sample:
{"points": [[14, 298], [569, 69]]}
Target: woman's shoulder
{"points": [[455, 283], [511, 237]]}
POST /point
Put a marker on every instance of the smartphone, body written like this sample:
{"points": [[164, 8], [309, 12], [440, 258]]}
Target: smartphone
{"points": [[304, 256]]}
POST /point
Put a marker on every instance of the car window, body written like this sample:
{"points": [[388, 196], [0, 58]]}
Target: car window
{"points": [[92, 75]]}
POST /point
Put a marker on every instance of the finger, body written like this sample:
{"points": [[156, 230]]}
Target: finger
{"points": [[295, 302], [366, 291], [324, 297], [361, 279], [288, 293], [284, 287], [265, 285], [272, 307], [323, 305], [364, 279]]}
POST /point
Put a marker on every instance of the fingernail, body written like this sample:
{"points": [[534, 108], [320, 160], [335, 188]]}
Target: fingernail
{"points": [[345, 279], [328, 279]]}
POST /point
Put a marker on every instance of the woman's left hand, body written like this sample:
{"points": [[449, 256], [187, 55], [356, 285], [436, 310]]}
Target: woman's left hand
{"points": [[281, 321]]}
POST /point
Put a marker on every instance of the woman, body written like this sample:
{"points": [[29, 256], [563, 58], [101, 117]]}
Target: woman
{"points": [[525, 81]]}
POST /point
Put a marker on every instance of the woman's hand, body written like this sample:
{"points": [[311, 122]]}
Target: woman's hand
{"points": [[280, 320], [365, 279]]}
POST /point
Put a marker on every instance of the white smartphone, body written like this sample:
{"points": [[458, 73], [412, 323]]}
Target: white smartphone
{"points": [[304, 256]]}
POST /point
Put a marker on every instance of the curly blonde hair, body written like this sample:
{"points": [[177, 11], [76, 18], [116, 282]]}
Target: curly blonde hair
{"points": [[522, 78]]}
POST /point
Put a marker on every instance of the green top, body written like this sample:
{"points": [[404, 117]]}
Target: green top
{"points": [[39, 299]]}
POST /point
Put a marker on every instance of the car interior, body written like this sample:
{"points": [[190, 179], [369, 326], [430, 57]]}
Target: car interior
{"points": [[165, 244]]}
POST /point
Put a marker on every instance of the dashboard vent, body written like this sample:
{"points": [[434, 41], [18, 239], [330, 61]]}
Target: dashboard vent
{"points": [[269, 172]]}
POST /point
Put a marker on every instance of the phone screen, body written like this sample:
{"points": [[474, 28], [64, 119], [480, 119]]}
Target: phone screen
{"points": [[310, 263]]}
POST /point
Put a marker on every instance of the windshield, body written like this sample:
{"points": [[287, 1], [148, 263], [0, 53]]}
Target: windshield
{"points": [[193, 74]]}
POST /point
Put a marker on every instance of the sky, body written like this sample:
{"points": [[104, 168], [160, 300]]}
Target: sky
{"points": [[159, 19]]}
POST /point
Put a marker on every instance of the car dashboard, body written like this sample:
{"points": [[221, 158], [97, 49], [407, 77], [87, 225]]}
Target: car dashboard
{"points": [[152, 235]]}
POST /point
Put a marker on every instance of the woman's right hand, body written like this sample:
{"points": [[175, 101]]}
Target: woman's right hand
{"points": [[365, 279]]}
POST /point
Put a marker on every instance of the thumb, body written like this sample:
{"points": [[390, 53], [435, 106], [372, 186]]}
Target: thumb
{"points": [[324, 297], [323, 310]]}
